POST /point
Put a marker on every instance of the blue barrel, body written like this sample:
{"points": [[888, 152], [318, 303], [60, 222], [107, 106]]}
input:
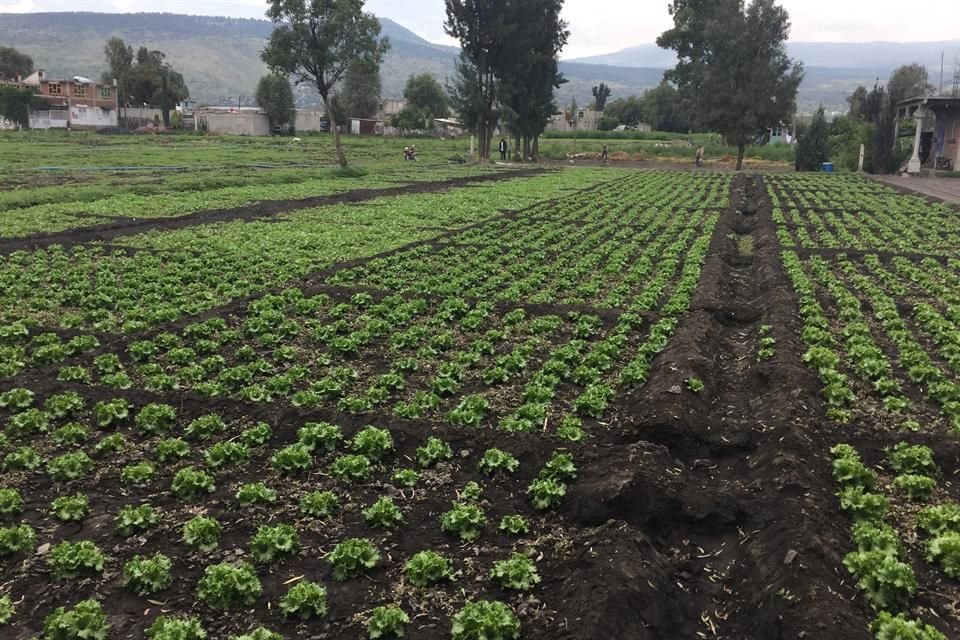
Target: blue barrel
{"points": [[828, 167]]}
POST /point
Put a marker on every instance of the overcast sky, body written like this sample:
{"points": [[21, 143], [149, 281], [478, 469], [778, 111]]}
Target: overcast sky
{"points": [[603, 26]]}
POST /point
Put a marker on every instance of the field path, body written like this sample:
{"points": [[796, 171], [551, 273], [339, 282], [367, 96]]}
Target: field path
{"points": [[942, 189]]}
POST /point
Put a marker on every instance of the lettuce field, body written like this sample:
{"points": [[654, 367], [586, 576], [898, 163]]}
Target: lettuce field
{"points": [[244, 397]]}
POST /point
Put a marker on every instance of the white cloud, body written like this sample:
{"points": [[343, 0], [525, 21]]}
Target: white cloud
{"points": [[602, 26]]}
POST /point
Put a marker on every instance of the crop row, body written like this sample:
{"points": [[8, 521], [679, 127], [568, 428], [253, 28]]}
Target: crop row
{"points": [[113, 488], [905, 496]]}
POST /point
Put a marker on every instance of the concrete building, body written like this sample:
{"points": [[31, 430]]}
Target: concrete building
{"points": [[586, 120], [75, 103], [936, 141], [249, 121]]}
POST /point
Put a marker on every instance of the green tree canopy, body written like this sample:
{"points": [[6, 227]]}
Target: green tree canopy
{"points": [[908, 81], [275, 97], [733, 72], [144, 77], [15, 105], [359, 95], [813, 148], [14, 64], [316, 42], [425, 94], [601, 93]]}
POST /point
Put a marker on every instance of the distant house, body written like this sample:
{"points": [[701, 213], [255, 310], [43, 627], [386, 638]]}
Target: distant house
{"points": [[936, 142], [75, 103]]}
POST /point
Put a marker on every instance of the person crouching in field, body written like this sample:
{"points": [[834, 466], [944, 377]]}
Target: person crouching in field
{"points": [[700, 155]]}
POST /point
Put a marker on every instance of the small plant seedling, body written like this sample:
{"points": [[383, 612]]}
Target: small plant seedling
{"points": [[147, 575], [256, 493], [191, 483], [73, 559], [485, 620], [518, 573], [515, 525], [352, 557], [202, 533], [319, 504], [464, 520], [17, 538], [435, 450], [495, 460], [546, 493], [426, 568], [85, 621], [383, 514], [351, 468], [132, 520], [387, 622], [272, 543], [292, 459], [695, 385], [11, 503], [372, 442], [176, 628], [405, 478], [305, 600], [70, 508], [260, 633], [228, 586]]}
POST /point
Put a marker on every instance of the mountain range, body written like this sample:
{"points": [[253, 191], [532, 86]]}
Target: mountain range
{"points": [[219, 57]]}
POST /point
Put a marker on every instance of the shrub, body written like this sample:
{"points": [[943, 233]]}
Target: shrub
{"points": [[305, 600], [465, 520], [494, 460], [515, 525], [352, 557], [427, 568], [435, 450], [85, 621], [202, 533], [372, 443], [387, 622], [518, 573], [131, 520], [383, 513], [146, 576], [182, 628], [270, 543], [191, 483], [17, 538], [72, 559], [546, 493], [70, 508], [485, 620], [225, 586]]}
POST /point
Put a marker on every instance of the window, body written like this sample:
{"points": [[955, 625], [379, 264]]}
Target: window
{"points": [[80, 90], [53, 89], [105, 93]]}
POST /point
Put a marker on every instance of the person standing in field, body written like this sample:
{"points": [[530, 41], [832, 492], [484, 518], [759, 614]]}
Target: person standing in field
{"points": [[603, 154], [503, 149], [700, 155]]}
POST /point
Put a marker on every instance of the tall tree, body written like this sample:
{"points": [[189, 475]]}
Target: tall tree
{"points": [[733, 69], [908, 81], [15, 105], [663, 110], [14, 64], [813, 148], [144, 77], [275, 97], [600, 94], [425, 94], [858, 103], [359, 95], [489, 32], [628, 111], [528, 83], [317, 40]]}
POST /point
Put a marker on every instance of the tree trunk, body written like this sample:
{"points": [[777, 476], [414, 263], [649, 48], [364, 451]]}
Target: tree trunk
{"points": [[740, 150], [517, 157], [535, 153], [342, 159]]}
